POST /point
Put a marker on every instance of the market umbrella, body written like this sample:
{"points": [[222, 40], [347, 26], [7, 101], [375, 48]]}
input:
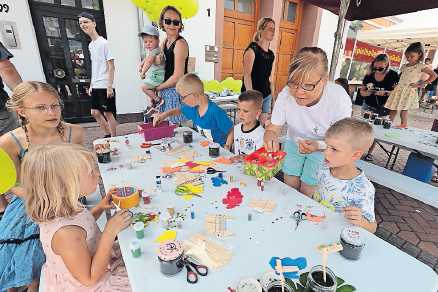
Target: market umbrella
{"points": [[368, 9]]}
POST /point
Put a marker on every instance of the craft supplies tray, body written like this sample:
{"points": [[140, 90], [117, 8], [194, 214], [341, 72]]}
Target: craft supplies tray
{"points": [[164, 129], [262, 164]]}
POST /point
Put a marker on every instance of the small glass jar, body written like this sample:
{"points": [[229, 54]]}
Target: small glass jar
{"points": [[315, 280], [187, 137], [366, 115], [378, 121], [213, 150], [353, 242], [387, 124]]}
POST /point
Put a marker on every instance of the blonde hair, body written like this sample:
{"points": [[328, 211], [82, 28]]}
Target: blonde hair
{"points": [[190, 82], [51, 177], [26, 89], [261, 25], [357, 133], [306, 61]]}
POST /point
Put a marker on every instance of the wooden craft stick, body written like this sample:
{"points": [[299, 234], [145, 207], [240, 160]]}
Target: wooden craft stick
{"points": [[326, 250]]}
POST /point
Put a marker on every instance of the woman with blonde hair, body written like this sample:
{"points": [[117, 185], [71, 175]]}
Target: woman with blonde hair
{"points": [[54, 177], [308, 105], [39, 107], [257, 64]]}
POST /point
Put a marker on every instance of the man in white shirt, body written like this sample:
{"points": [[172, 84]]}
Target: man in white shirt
{"points": [[103, 97]]}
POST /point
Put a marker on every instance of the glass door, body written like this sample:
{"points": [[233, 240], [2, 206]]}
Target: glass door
{"points": [[64, 51]]}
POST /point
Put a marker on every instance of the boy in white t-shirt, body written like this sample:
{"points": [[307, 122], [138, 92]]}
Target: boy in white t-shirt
{"points": [[152, 67], [247, 136], [103, 95], [342, 187]]}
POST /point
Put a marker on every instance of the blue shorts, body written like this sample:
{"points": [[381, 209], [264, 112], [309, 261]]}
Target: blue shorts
{"points": [[304, 166], [266, 107]]}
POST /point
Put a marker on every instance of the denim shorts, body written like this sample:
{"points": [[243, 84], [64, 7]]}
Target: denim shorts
{"points": [[304, 166], [266, 107]]}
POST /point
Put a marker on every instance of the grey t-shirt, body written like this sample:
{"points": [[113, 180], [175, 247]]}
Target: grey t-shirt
{"points": [[4, 55]]}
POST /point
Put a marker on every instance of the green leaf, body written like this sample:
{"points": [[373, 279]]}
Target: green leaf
{"points": [[340, 281], [303, 279], [291, 283], [346, 288]]}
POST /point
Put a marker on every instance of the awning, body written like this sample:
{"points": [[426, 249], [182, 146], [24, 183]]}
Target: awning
{"points": [[368, 9]]}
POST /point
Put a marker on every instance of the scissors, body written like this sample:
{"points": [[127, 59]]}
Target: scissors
{"points": [[119, 209], [183, 190], [192, 276], [211, 170], [299, 216]]}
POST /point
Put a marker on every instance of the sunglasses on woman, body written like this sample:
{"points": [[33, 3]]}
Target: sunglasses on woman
{"points": [[169, 21]]}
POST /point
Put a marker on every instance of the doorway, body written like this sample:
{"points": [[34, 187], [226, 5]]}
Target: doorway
{"points": [[240, 19], [64, 51]]}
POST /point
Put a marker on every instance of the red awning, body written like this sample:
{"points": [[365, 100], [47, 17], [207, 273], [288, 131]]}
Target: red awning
{"points": [[368, 9]]}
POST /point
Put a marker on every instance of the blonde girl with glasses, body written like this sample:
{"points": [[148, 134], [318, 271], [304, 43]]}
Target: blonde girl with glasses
{"points": [[79, 257], [308, 105], [39, 108]]}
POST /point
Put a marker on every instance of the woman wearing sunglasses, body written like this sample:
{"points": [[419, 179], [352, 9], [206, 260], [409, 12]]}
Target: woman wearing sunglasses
{"points": [[39, 107], [176, 51], [308, 105]]}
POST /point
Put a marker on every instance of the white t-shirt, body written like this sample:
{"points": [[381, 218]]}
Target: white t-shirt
{"points": [[311, 122], [336, 193], [246, 142], [99, 55]]}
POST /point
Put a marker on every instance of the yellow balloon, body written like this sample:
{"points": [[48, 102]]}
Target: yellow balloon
{"points": [[139, 3], [187, 8], [8, 173]]}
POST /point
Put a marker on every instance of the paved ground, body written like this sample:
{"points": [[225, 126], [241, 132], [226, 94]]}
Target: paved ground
{"points": [[406, 223]]}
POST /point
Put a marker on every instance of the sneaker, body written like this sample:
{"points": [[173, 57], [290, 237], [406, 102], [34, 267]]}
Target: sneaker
{"points": [[369, 157]]}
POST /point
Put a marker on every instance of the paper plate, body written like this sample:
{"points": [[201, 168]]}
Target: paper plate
{"points": [[8, 173]]}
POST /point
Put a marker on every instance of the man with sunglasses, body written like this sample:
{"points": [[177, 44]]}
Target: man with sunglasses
{"points": [[103, 95]]}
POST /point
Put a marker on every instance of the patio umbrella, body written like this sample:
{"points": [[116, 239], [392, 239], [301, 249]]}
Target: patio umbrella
{"points": [[366, 9]]}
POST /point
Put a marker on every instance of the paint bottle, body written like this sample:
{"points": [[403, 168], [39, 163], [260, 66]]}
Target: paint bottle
{"points": [[158, 183], [139, 230], [135, 248], [249, 216], [192, 212]]}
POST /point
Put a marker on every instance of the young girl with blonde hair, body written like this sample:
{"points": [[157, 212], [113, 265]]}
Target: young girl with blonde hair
{"points": [[54, 177], [39, 108]]}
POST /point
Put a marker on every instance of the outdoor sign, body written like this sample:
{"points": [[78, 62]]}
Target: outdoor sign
{"points": [[365, 52]]}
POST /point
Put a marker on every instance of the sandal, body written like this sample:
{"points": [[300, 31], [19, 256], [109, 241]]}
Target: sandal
{"points": [[369, 157]]}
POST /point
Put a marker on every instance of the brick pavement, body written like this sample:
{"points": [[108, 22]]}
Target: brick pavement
{"points": [[406, 223]]}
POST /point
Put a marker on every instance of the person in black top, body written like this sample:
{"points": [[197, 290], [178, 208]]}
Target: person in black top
{"points": [[377, 85], [8, 73], [176, 52], [431, 88], [257, 64]]}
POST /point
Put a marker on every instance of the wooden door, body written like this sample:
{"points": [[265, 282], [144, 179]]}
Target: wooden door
{"points": [[289, 28], [239, 26]]}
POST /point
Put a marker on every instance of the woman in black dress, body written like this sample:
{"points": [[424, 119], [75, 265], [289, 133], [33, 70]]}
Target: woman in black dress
{"points": [[377, 85], [257, 64]]}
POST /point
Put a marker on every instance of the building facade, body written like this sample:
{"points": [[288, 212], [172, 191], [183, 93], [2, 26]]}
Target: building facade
{"points": [[48, 45]]}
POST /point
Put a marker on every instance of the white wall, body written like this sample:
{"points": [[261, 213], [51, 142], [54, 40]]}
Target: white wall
{"points": [[26, 59], [122, 28], [326, 38], [199, 31]]}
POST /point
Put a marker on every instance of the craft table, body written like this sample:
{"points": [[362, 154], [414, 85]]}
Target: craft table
{"points": [[382, 267], [412, 139]]}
